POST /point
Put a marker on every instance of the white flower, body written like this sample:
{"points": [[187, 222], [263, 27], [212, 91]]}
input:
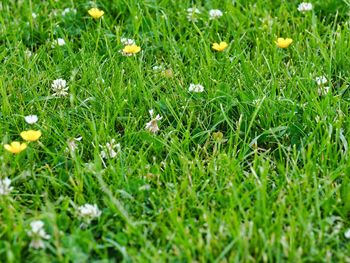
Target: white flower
{"points": [[31, 119], [323, 91], [88, 212], [72, 146], [304, 7], [347, 233], [152, 125], [58, 42], [5, 187], [321, 80], [68, 10], [28, 53], [108, 150], [127, 41], [37, 233], [34, 15], [158, 68], [59, 87], [196, 88], [191, 14], [215, 14]]}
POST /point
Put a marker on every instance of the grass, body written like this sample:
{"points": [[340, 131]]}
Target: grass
{"points": [[275, 188]]}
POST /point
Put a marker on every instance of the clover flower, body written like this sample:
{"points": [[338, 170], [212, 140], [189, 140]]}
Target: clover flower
{"points": [[196, 88], [59, 87], [220, 47], [322, 89], [31, 119], [215, 14], [96, 13], [347, 234], [305, 7], [38, 234], [68, 10], [72, 144], [127, 41], [58, 42], [31, 135], [88, 212], [108, 151], [321, 80], [192, 14], [5, 186], [283, 43], [152, 125], [15, 147]]}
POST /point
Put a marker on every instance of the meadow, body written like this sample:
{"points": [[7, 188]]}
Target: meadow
{"points": [[174, 131]]}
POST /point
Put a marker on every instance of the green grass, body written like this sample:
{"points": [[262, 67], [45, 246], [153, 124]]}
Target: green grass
{"points": [[276, 188]]}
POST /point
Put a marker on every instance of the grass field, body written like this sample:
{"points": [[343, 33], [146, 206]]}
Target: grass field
{"points": [[151, 146]]}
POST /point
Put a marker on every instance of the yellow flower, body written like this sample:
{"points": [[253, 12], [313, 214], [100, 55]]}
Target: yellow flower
{"points": [[220, 47], [131, 49], [15, 147], [283, 43], [31, 135], [95, 13]]}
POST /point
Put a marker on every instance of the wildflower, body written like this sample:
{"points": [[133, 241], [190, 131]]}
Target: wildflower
{"points": [[96, 13], [127, 41], [58, 42], [152, 125], [108, 150], [323, 91], [34, 15], [196, 88], [168, 73], [284, 43], [59, 88], [191, 14], [304, 7], [130, 50], [215, 14], [68, 10], [31, 119], [347, 233], [15, 147], [5, 187], [321, 80], [88, 212], [28, 53], [72, 146], [37, 233], [220, 47], [31, 135]]}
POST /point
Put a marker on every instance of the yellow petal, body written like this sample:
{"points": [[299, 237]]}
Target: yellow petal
{"points": [[30, 135]]}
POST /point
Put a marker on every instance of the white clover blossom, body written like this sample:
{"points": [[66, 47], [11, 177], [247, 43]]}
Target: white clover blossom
{"points": [[5, 186], [58, 42], [68, 10], [127, 41], [59, 87], [347, 233], [196, 88], [108, 151], [305, 7], [323, 91], [192, 14], [152, 125], [38, 234], [28, 53], [321, 80], [88, 212], [215, 14], [31, 119], [72, 144]]}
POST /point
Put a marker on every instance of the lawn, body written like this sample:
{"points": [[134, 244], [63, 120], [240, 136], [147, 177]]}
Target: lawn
{"points": [[128, 135]]}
